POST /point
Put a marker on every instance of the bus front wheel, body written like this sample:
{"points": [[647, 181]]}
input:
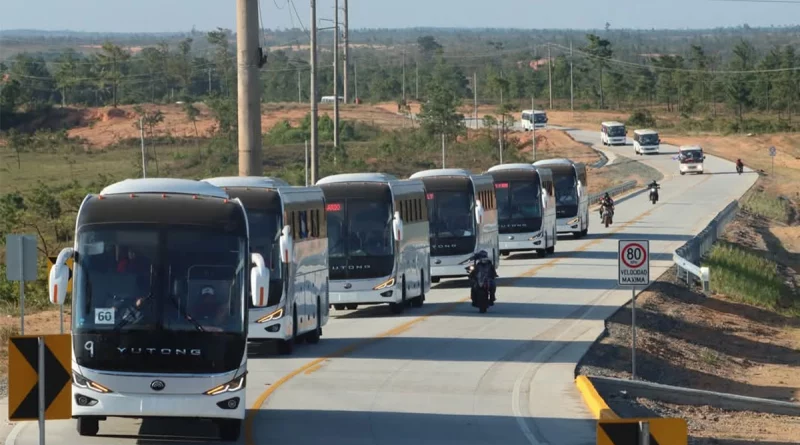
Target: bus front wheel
{"points": [[88, 426], [229, 429]]}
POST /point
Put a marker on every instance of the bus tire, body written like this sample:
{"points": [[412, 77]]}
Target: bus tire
{"points": [[229, 429], [350, 307], [435, 280], [398, 308], [314, 336], [420, 300], [340, 307], [286, 347], [88, 426]]}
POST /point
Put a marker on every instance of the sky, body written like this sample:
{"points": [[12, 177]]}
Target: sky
{"points": [[182, 15]]}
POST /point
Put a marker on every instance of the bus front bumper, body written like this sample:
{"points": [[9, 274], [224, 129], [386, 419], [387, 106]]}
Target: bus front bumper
{"points": [[388, 295], [568, 225], [521, 241], [228, 405]]}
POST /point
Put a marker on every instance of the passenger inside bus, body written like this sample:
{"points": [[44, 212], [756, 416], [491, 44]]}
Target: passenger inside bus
{"points": [[208, 309]]}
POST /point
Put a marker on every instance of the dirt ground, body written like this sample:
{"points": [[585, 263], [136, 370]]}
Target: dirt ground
{"points": [[46, 322]]}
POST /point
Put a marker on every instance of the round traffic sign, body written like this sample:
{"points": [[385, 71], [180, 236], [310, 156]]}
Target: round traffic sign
{"points": [[633, 255]]}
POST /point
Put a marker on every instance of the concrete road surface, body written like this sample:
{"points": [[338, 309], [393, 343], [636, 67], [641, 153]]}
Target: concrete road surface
{"points": [[445, 374]]}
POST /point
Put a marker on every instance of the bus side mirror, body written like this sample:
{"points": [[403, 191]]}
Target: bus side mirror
{"points": [[259, 281], [59, 277], [397, 227], [479, 212], [580, 188], [286, 245], [545, 198]]}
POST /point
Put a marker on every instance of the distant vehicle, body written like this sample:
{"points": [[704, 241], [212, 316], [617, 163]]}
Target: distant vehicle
{"points": [[162, 274], [330, 99], [378, 240], [691, 159], [526, 208], [572, 196], [645, 141], [462, 212], [288, 227], [533, 119], [613, 133]]}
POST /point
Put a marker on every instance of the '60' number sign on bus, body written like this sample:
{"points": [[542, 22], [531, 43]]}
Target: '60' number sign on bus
{"points": [[634, 262]]}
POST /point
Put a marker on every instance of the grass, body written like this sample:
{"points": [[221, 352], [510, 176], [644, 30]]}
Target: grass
{"points": [[767, 205], [749, 278]]}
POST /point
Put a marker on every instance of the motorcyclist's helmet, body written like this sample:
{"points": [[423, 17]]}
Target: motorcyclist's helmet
{"points": [[481, 255]]}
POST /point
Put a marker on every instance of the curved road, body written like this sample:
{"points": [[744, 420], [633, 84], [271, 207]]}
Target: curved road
{"points": [[445, 373]]}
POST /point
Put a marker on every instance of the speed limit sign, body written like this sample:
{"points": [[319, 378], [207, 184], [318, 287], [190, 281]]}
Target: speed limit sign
{"points": [[634, 262]]}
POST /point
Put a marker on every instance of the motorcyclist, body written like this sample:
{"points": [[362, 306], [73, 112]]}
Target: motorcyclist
{"points": [[483, 258], [654, 186], [739, 165], [608, 203]]}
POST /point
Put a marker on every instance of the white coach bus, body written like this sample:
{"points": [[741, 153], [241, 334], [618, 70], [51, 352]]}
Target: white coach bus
{"points": [[378, 240], [613, 133], [533, 119], [162, 275], [462, 212], [572, 197], [288, 228], [526, 210]]}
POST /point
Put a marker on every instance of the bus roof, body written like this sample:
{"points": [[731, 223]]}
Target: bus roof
{"points": [[690, 147], [165, 185], [505, 167], [554, 161], [247, 181], [357, 177], [441, 172], [533, 111], [643, 132], [612, 124]]}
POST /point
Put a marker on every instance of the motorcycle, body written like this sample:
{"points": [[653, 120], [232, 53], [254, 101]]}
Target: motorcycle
{"points": [[606, 215], [479, 273], [654, 193], [739, 168]]}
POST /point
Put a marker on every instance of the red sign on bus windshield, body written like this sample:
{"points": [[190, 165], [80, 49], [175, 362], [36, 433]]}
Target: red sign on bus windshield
{"points": [[430, 196], [333, 207], [501, 185]]}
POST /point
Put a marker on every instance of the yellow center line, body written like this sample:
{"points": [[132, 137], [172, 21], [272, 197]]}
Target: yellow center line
{"points": [[316, 364]]}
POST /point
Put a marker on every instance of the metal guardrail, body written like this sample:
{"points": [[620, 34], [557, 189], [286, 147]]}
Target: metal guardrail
{"points": [[688, 256], [616, 190]]}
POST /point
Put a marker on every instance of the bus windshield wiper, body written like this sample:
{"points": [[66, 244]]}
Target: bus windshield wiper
{"points": [[126, 320], [186, 316]]}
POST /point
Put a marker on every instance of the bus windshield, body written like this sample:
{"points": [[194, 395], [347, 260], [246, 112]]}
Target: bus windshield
{"points": [[648, 139], [616, 131], [540, 118], [264, 234], [566, 195], [519, 207], [452, 225], [132, 278], [360, 242]]}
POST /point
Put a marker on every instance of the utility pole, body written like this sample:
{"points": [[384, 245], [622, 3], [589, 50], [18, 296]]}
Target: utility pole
{"points": [[475, 98], [313, 95], [550, 75], [336, 73], [533, 129], [144, 156], [404, 74], [571, 94], [299, 88], [346, 52], [355, 78], [443, 150], [209, 81], [416, 75], [249, 87]]}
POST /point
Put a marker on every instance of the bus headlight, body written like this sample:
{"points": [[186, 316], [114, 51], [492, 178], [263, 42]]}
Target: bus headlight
{"points": [[271, 317], [535, 236], [573, 221], [82, 382], [232, 386], [385, 284]]}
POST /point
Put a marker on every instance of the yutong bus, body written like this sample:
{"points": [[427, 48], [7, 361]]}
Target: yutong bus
{"points": [[533, 119], [525, 208], [572, 199], [378, 240], [288, 228], [161, 275], [463, 219]]}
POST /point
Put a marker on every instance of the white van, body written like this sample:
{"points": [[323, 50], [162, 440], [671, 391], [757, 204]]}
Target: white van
{"points": [[645, 141], [612, 133], [691, 159], [533, 119]]}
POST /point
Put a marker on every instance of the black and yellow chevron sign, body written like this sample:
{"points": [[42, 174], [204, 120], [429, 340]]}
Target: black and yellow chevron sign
{"points": [[626, 431], [23, 377]]}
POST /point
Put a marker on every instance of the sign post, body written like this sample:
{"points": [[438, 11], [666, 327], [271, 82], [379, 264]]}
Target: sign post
{"points": [[633, 261], [21, 266], [772, 153]]}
